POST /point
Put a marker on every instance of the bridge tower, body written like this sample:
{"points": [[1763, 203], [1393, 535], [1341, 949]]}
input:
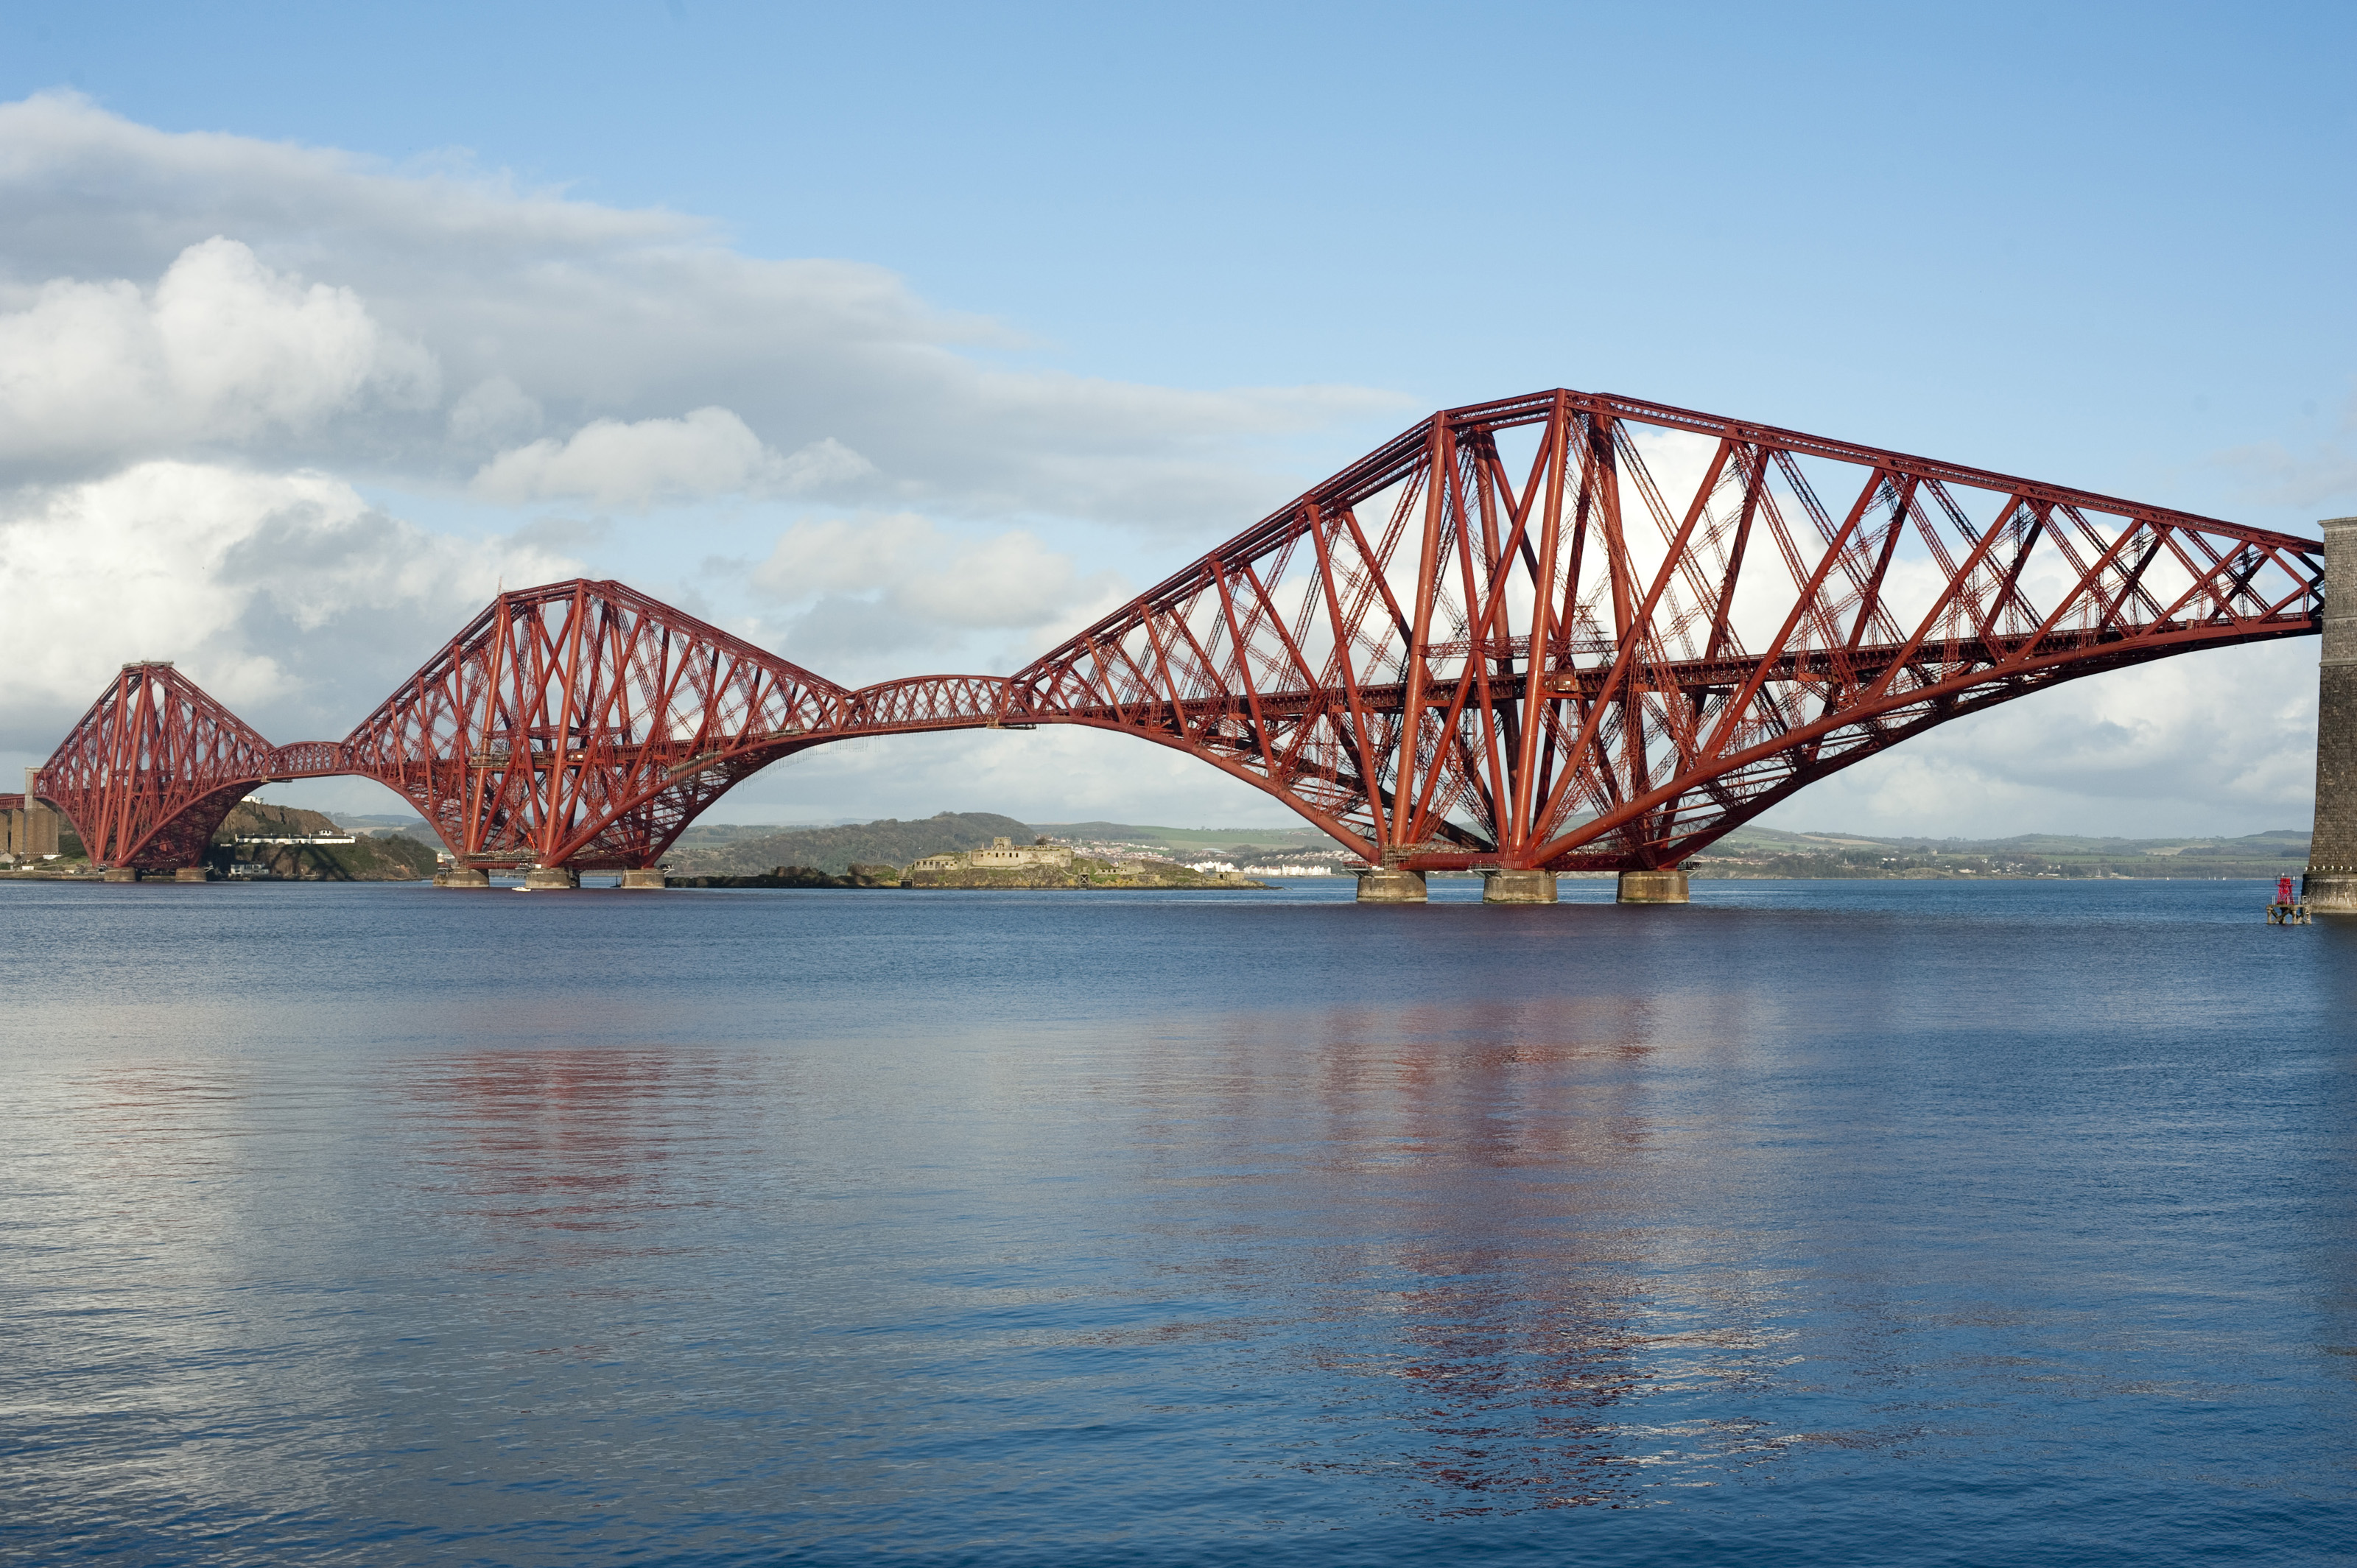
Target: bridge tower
{"points": [[2330, 886]]}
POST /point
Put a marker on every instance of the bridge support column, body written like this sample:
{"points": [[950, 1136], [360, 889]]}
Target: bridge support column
{"points": [[550, 878], [648, 877], [2330, 886], [463, 876], [121, 873], [1518, 887], [190, 874], [1390, 885], [1667, 885]]}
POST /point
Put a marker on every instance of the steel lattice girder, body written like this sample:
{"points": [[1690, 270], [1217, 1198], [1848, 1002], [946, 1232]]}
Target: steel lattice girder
{"points": [[1566, 630], [149, 772]]}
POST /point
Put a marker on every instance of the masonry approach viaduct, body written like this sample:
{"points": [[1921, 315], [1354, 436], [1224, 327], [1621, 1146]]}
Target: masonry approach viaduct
{"points": [[1567, 631]]}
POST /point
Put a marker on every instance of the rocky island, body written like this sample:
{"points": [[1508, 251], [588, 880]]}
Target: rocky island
{"points": [[286, 843]]}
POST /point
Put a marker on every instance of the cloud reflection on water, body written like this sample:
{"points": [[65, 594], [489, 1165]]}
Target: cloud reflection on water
{"points": [[990, 1229]]}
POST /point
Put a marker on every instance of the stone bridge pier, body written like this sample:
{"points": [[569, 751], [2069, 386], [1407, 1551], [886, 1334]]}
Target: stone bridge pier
{"points": [[2330, 886]]}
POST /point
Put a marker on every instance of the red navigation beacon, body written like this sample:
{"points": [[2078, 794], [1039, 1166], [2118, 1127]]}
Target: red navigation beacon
{"points": [[2286, 911]]}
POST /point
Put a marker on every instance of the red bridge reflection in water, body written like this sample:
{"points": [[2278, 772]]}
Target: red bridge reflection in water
{"points": [[1562, 631]]}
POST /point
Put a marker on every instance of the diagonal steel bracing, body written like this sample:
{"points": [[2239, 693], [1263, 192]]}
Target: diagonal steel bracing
{"points": [[1566, 630]]}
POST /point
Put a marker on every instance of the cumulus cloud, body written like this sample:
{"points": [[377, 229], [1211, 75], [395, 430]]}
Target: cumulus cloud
{"points": [[632, 465], [597, 327], [209, 343], [286, 595], [2213, 742], [221, 349]]}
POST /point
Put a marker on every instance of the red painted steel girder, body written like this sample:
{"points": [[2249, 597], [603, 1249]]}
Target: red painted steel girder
{"points": [[583, 723], [1562, 631], [1704, 643], [147, 774]]}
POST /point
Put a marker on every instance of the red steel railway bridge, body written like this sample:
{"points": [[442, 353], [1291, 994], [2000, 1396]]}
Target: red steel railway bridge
{"points": [[1567, 631]]}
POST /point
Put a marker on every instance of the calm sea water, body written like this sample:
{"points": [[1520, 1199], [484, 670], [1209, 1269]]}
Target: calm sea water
{"points": [[1814, 1223]]}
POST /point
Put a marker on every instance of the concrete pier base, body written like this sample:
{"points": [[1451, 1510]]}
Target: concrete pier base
{"points": [[190, 874], [550, 878], [649, 876], [121, 873], [463, 876], [2330, 886], [1652, 888], [1518, 887], [1389, 885], [2330, 891]]}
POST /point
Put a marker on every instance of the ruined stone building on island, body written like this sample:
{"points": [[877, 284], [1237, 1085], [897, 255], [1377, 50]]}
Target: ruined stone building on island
{"points": [[1004, 855]]}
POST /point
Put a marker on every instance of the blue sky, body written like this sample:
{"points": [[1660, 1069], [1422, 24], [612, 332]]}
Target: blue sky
{"points": [[1154, 272]]}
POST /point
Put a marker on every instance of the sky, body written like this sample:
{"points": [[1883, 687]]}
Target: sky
{"points": [[912, 341]]}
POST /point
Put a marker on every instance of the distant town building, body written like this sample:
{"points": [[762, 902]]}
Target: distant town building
{"points": [[28, 825]]}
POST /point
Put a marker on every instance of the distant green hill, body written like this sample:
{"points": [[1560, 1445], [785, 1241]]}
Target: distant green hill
{"points": [[887, 842], [1774, 852]]}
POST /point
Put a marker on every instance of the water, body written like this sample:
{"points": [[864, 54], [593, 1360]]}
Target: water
{"points": [[1814, 1223]]}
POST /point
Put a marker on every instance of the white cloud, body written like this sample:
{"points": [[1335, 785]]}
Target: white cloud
{"points": [[825, 465], [494, 411], [565, 315], [2218, 741], [286, 595], [879, 584], [222, 348], [1008, 580], [839, 556], [633, 466], [207, 341]]}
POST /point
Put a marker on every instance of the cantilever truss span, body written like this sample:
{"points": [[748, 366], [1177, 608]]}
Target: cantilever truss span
{"points": [[1566, 630]]}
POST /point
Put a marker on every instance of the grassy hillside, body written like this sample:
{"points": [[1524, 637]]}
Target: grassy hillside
{"points": [[703, 835], [1770, 852], [887, 842]]}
